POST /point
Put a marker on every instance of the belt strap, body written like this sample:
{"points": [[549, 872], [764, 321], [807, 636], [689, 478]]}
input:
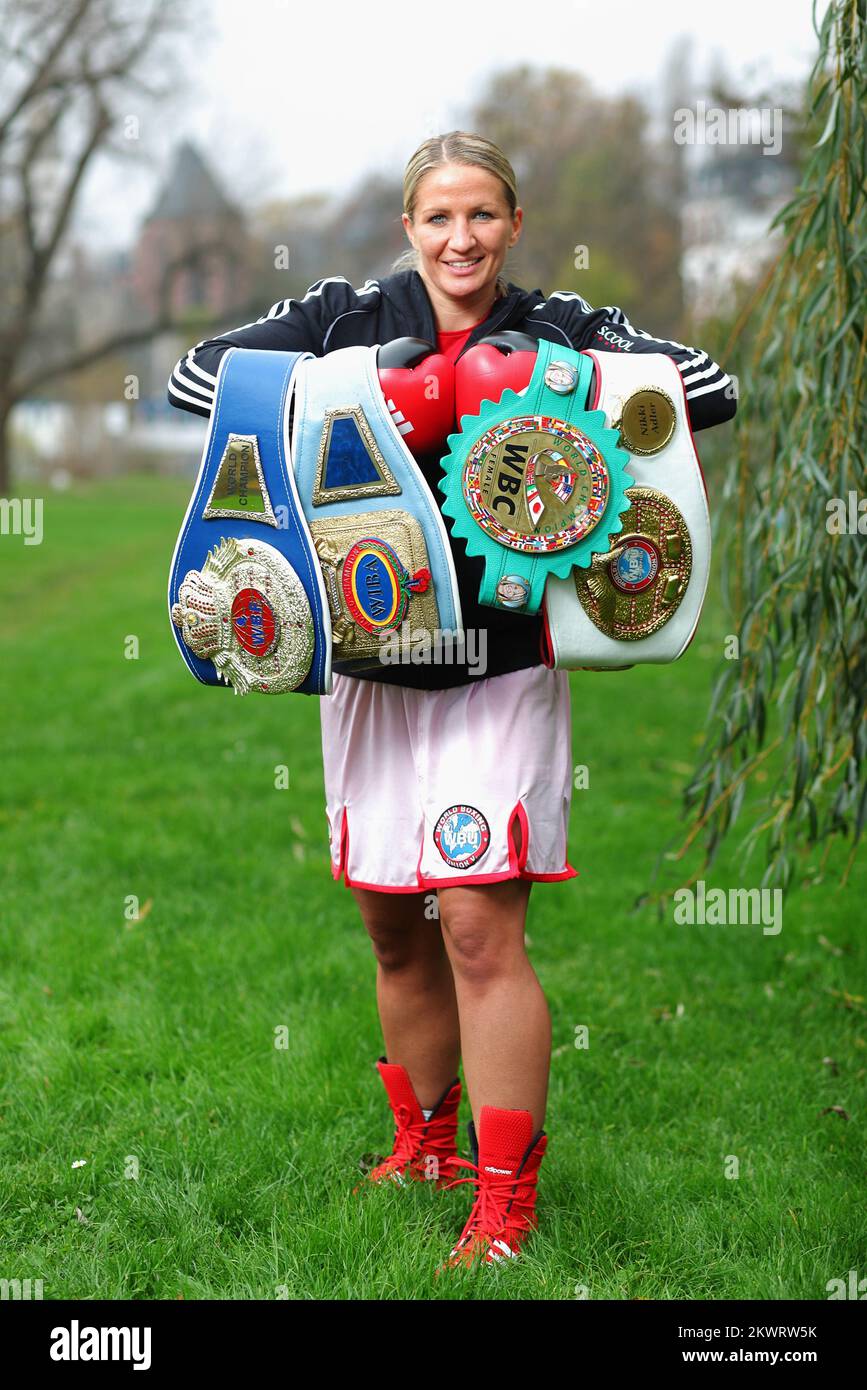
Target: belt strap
{"points": [[351, 459]]}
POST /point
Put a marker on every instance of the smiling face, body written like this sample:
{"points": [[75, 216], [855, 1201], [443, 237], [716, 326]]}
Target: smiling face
{"points": [[462, 227]]}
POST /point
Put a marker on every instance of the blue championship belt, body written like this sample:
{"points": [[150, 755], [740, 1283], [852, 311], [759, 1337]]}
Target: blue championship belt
{"points": [[379, 534], [536, 483], [246, 593]]}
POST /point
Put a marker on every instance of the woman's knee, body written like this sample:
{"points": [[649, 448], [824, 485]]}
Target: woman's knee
{"points": [[484, 933], [401, 936]]}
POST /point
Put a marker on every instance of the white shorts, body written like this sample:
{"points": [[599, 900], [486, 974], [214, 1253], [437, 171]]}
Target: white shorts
{"points": [[422, 787]]}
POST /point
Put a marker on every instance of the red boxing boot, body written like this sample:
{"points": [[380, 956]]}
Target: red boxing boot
{"points": [[422, 1147], [504, 1210]]}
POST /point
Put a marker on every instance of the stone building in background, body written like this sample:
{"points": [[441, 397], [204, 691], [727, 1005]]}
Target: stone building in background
{"points": [[194, 222]]}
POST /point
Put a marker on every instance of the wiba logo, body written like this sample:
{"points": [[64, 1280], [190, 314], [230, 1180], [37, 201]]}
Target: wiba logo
{"points": [[76, 1343]]}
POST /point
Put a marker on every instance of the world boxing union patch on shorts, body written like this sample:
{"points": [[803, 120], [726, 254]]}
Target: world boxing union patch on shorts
{"points": [[462, 835]]}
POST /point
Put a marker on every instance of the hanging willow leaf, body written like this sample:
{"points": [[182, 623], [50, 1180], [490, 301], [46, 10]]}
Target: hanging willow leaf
{"points": [[813, 819], [832, 121], [862, 812], [796, 701], [802, 768]]}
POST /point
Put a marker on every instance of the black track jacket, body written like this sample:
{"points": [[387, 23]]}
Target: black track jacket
{"points": [[332, 314]]}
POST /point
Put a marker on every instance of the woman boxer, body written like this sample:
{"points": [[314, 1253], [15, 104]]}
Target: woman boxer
{"points": [[447, 787]]}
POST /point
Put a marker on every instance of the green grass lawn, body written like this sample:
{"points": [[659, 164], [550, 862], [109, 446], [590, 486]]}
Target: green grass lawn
{"points": [[219, 1166]]}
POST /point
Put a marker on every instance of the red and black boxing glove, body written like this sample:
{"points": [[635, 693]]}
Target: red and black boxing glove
{"points": [[418, 384], [500, 362]]}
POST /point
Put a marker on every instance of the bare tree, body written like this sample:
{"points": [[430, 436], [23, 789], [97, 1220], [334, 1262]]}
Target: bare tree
{"points": [[73, 70]]}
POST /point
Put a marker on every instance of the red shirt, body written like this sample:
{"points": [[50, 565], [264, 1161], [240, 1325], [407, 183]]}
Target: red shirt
{"points": [[451, 343]]}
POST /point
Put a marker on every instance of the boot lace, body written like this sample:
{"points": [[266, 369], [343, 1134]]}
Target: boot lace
{"points": [[409, 1142], [499, 1198]]}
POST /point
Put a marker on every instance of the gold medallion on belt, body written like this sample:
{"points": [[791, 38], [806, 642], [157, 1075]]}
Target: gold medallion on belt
{"points": [[633, 589]]}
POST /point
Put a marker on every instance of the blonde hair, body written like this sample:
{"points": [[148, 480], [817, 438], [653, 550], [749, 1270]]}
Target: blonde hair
{"points": [[457, 147]]}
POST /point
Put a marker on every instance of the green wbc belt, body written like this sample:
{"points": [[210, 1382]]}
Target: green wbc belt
{"points": [[536, 484]]}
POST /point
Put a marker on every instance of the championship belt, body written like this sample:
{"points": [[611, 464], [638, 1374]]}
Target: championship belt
{"points": [[536, 483], [247, 597], [311, 529], [640, 601], [379, 535]]}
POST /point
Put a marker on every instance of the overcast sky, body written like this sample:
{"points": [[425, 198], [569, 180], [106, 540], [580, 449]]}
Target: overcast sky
{"points": [[286, 98]]}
